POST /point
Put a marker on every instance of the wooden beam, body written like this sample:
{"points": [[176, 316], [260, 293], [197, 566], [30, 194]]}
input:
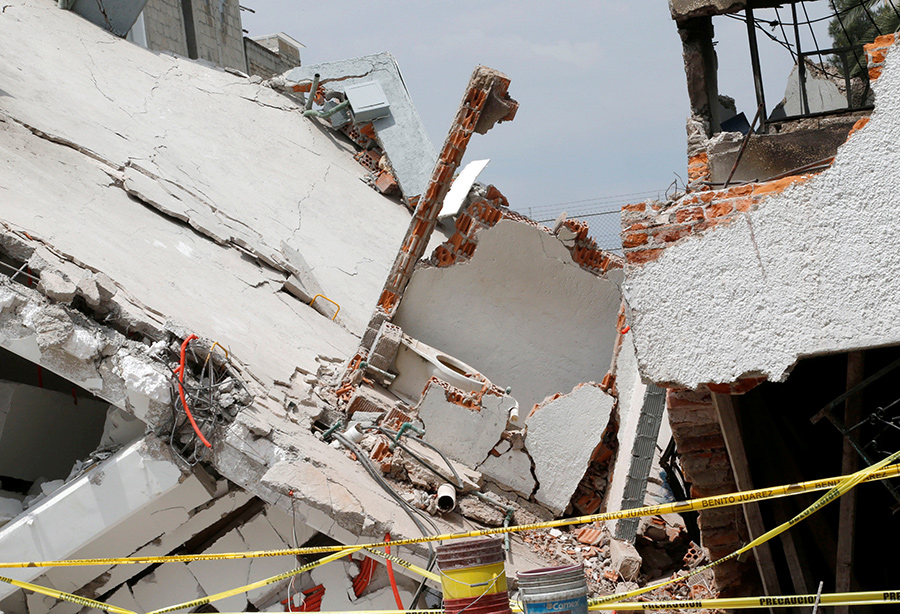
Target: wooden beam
{"points": [[849, 464], [734, 443], [796, 558]]}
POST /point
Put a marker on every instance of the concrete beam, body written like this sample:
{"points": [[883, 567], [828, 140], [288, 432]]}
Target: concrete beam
{"points": [[89, 506]]}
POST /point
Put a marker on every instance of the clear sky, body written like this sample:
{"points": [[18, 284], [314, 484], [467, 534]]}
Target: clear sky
{"points": [[600, 84]]}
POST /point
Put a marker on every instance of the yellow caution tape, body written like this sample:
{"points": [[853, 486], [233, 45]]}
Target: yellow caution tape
{"points": [[403, 563], [249, 587], [51, 592], [846, 484], [734, 603], [833, 599], [652, 510]]}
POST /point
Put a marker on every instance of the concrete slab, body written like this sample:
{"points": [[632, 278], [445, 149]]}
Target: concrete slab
{"points": [[201, 144], [218, 576], [157, 521], [402, 134], [166, 585], [562, 436]]}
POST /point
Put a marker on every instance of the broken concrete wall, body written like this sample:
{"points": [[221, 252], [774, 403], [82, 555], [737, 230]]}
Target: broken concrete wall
{"points": [[520, 311], [563, 434], [778, 274]]}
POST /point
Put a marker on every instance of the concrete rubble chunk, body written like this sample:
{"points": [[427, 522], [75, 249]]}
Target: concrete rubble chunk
{"points": [[511, 469], [625, 559], [562, 436], [466, 433], [56, 287]]}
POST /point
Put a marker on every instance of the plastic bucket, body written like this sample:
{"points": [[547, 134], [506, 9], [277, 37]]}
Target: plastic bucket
{"points": [[554, 590], [494, 603], [472, 568]]}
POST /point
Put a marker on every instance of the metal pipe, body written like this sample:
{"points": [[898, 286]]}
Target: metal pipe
{"points": [[506, 508], [408, 426], [331, 430], [312, 92], [759, 113], [801, 62], [757, 73], [325, 114]]}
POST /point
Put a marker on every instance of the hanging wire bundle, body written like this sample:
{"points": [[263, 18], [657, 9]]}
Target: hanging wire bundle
{"points": [[205, 399]]}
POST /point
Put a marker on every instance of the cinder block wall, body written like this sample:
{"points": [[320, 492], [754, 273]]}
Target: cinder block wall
{"points": [[217, 26], [164, 23], [262, 62]]}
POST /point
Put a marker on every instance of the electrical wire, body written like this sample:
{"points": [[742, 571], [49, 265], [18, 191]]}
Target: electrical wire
{"points": [[409, 509]]}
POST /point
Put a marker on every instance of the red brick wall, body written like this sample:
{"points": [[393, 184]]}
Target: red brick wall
{"points": [[486, 212], [704, 459]]}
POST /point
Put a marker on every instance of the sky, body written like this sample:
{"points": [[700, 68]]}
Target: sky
{"points": [[600, 85]]}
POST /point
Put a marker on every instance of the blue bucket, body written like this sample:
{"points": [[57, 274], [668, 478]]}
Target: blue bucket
{"points": [[554, 590]]}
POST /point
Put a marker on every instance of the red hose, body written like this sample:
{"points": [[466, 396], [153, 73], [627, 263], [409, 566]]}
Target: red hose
{"points": [[180, 372], [390, 568]]}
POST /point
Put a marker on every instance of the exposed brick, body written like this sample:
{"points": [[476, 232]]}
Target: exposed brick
{"points": [[589, 535], [688, 214], [874, 73], [643, 256], [635, 207], [676, 398], [778, 185], [858, 126], [671, 233], [719, 209], [634, 239], [743, 204], [726, 539]]}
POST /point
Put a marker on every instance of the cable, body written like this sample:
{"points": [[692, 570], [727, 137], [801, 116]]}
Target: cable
{"points": [[180, 372], [376, 474], [593, 200], [582, 215]]}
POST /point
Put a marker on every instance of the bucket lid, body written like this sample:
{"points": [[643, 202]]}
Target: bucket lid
{"points": [[566, 577], [464, 553]]}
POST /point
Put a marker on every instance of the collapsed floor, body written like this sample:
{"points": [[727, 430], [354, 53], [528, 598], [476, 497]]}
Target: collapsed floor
{"points": [[163, 264]]}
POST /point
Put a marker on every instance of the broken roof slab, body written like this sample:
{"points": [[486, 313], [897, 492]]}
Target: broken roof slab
{"points": [[234, 160], [402, 134], [811, 270]]}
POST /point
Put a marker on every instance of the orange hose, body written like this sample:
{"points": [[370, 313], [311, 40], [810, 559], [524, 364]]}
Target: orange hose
{"points": [[390, 569], [180, 372]]}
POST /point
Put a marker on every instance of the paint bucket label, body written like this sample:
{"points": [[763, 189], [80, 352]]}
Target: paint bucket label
{"points": [[567, 606]]}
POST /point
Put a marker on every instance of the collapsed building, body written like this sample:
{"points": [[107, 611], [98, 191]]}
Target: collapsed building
{"points": [[250, 315], [288, 332]]}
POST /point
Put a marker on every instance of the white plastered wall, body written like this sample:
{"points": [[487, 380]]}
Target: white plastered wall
{"points": [[520, 311], [812, 270]]}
